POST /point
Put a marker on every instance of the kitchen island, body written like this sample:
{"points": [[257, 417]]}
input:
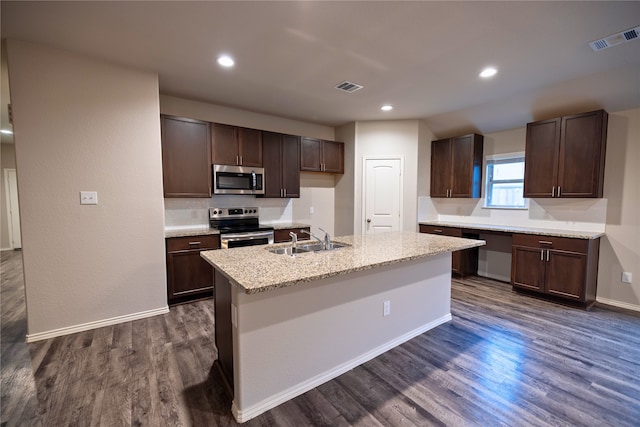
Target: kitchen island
{"points": [[285, 325]]}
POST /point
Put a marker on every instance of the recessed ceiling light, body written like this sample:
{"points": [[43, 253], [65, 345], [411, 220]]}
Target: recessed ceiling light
{"points": [[226, 61], [488, 72], [6, 131], [386, 107]]}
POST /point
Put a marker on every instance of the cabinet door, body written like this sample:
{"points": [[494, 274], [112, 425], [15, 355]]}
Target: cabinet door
{"points": [[333, 156], [290, 166], [186, 169], [224, 143], [250, 147], [466, 155], [310, 154], [272, 158], [542, 151], [565, 274], [188, 274], [441, 167], [528, 268], [582, 152]]}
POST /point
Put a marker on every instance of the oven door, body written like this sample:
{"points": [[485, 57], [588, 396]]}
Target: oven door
{"points": [[249, 238]]}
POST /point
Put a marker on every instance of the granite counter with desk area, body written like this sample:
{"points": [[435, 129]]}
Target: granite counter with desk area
{"points": [[561, 265]]}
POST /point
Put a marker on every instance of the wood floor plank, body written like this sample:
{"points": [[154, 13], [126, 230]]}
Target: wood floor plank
{"points": [[504, 359]]}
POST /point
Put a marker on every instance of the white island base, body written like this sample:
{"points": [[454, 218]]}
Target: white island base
{"points": [[287, 341]]}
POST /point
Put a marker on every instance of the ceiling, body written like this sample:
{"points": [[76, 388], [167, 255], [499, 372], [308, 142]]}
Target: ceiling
{"points": [[421, 57]]}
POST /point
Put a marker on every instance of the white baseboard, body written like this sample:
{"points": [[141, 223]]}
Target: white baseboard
{"points": [[246, 414], [96, 324], [619, 304], [6, 249]]}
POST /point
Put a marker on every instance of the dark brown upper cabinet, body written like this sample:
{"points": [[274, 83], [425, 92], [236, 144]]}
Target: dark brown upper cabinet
{"points": [[235, 146], [564, 157], [456, 166], [186, 168], [281, 157], [318, 155]]}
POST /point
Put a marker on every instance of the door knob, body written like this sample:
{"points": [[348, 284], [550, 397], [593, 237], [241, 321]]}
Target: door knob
{"points": [[368, 219]]}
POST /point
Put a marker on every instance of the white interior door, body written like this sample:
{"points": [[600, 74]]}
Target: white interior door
{"points": [[382, 194], [12, 206]]}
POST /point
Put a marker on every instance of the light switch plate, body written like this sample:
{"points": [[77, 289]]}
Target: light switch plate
{"points": [[88, 197]]}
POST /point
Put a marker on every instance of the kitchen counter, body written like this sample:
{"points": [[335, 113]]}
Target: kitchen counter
{"points": [[575, 234], [284, 325], [255, 269], [201, 230]]}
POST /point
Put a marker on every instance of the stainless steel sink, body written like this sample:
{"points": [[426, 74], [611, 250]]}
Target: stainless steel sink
{"points": [[317, 247], [288, 251]]}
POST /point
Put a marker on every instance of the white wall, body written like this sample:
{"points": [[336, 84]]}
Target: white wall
{"points": [[317, 190], [620, 248], [399, 137], [81, 124]]}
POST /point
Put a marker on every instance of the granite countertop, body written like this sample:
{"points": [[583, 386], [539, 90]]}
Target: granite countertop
{"points": [[197, 230], [574, 234], [255, 269]]}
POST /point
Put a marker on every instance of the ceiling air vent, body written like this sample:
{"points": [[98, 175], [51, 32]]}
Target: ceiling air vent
{"points": [[615, 39], [348, 87]]}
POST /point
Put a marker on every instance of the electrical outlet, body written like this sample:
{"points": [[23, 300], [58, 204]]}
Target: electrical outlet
{"points": [[386, 308], [311, 210], [627, 277], [88, 197]]}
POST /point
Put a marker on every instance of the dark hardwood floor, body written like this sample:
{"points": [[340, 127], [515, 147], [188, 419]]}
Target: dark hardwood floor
{"points": [[504, 359]]}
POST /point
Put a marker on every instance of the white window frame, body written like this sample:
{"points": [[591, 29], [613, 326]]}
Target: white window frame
{"points": [[496, 159]]}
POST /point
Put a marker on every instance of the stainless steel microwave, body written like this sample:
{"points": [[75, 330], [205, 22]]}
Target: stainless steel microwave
{"points": [[237, 180]]}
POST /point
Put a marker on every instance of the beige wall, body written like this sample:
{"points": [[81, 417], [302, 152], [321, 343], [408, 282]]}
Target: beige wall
{"points": [[7, 161], [393, 137], [83, 125], [620, 248], [345, 186]]}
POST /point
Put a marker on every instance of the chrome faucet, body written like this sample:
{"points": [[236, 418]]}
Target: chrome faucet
{"points": [[294, 240], [327, 240], [315, 237]]}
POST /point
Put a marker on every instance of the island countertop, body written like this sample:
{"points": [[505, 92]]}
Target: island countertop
{"points": [[255, 269]]}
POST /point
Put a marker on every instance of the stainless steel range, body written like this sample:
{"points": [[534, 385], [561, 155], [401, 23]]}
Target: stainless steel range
{"points": [[239, 227]]}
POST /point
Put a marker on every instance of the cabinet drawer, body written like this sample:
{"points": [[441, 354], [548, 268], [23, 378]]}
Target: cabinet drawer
{"points": [[549, 242], [211, 241], [282, 235], [445, 231]]}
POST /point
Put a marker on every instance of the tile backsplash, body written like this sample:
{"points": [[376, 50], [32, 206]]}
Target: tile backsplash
{"points": [[567, 214], [185, 212]]}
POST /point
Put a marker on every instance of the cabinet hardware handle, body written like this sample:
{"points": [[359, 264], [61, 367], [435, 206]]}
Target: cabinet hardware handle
{"points": [[545, 242], [194, 243], [542, 255], [559, 192], [285, 192], [437, 231], [553, 191], [238, 160], [547, 255]]}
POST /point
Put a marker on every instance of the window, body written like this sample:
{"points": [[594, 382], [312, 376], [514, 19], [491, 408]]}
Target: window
{"points": [[505, 182]]}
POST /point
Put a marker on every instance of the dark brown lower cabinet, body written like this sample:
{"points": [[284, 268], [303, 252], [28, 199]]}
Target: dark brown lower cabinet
{"points": [[560, 267], [463, 263], [189, 276], [282, 235]]}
